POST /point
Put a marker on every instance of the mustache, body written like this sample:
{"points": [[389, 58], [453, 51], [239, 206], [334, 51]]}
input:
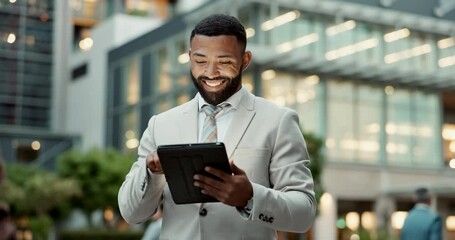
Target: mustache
{"points": [[221, 78]]}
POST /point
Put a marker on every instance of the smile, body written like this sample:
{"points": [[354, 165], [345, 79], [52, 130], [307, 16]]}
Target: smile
{"points": [[213, 83]]}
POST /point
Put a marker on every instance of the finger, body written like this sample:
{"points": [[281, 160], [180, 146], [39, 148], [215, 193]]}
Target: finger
{"points": [[236, 170], [153, 163], [212, 191], [202, 181], [218, 173]]}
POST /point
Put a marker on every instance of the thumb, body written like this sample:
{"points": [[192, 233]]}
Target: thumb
{"points": [[235, 170]]}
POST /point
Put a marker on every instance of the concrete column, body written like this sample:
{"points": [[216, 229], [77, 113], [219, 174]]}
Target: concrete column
{"points": [[325, 224]]}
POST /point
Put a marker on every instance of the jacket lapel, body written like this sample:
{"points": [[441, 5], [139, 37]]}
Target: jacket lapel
{"points": [[188, 125], [242, 119]]}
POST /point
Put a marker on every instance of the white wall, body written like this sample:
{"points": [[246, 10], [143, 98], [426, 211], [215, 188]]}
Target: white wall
{"points": [[188, 5], [86, 96]]}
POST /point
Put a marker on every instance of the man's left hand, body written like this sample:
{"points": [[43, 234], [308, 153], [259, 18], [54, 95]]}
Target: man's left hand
{"points": [[234, 189]]}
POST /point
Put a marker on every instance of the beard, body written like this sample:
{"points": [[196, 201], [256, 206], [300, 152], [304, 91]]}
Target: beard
{"points": [[215, 98]]}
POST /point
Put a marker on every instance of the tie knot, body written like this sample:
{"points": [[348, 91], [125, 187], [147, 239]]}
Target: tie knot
{"points": [[213, 111]]}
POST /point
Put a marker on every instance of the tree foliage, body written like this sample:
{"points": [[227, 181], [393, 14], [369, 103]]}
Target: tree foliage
{"points": [[100, 174], [314, 147], [30, 190]]}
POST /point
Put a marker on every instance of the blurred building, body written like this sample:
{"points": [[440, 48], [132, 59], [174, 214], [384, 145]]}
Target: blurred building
{"points": [[41, 45], [27, 54], [374, 78]]}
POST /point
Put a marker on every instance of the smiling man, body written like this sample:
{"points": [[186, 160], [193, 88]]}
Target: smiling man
{"points": [[270, 188]]}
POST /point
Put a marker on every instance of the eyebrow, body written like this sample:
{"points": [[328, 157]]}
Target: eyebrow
{"points": [[221, 56]]}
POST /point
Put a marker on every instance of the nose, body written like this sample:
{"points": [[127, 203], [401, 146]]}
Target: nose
{"points": [[212, 70]]}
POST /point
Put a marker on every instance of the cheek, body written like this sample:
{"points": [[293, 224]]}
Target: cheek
{"points": [[230, 71]]}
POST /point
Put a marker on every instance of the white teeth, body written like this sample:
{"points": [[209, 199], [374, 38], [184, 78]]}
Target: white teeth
{"points": [[213, 83]]}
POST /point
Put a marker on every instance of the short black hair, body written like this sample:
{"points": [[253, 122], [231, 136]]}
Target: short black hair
{"points": [[422, 194], [220, 24]]}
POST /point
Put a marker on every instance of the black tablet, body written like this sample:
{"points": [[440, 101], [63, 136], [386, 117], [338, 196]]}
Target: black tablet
{"points": [[180, 162]]}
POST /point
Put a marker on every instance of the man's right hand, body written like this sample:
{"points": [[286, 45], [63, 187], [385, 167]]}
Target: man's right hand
{"points": [[153, 163]]}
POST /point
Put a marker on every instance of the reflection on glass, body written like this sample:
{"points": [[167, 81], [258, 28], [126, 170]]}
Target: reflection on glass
{"points": [[353, 113], [398, 127], [132, 87], [130, 124], [164, 79], [299, 92]]}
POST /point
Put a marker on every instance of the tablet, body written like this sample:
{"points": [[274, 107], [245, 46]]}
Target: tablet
{"points": [[182, 161]]}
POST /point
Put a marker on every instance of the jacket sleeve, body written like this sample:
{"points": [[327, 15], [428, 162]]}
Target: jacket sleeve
{"points": [[436, 229], [289, 204], [140, 194]]}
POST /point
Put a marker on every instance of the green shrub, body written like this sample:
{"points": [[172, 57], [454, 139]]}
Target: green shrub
{"points": [[100, 235]]}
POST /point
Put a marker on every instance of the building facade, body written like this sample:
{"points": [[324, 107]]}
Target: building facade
{"points": [[27, 55], [374, 79]]}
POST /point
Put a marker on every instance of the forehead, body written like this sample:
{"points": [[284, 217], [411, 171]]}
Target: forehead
{"points": [[223, 44]]}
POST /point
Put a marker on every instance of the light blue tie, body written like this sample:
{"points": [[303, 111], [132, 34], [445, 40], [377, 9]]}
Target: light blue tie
{"points": [[212, 113]]}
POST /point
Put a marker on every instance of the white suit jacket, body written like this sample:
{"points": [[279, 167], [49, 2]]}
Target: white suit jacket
{"points": [[264, 140]]}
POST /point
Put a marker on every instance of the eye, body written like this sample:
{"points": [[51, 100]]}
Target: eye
{"points": [[226, 62], [200, 61]]}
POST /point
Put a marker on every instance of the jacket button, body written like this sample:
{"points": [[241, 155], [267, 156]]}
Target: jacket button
{"points": [[203, 212]]}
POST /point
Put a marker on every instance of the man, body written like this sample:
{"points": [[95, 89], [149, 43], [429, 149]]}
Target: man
{"points": [[422, 223], [270, 188]]}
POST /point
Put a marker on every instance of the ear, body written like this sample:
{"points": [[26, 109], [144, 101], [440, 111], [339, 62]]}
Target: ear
{"points": [[247, 56]]}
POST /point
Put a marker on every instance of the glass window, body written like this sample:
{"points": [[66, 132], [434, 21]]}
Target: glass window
{"points": [[399, 128], [426, 136], [164, 80], [368, 125], [130, 130], [308, 103], [132, 86], [277, 87], [406, 49], [446, 61], [353, 122], [341, 143]]}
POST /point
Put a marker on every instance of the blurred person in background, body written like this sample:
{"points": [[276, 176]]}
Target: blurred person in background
{"points": [[152, 232], [422, 223]]}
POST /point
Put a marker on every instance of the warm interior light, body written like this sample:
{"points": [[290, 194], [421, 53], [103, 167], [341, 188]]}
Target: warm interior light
{"points": [[326, 201], [446, 62], [351, 49], [446, 42], [299, 42], [280, 20], [132, 143], [448, 132], [407, 53], [352, 220], [183, 58], [86, 43], [368, 220], [11, 38], [250, 32], [339, 28], [450, 223], [389, 90], [452, 163], [36, 145], [268, 74], [398, 219], [397, 35]]}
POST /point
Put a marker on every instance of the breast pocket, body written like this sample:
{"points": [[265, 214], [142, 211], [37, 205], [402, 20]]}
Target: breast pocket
{"points": [[255, 162]]}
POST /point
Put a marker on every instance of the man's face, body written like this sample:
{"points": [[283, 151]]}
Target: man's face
{"points": [[216, 66]]}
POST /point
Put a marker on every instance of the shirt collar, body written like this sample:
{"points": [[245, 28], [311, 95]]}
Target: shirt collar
{"points": [[234, 100]]}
